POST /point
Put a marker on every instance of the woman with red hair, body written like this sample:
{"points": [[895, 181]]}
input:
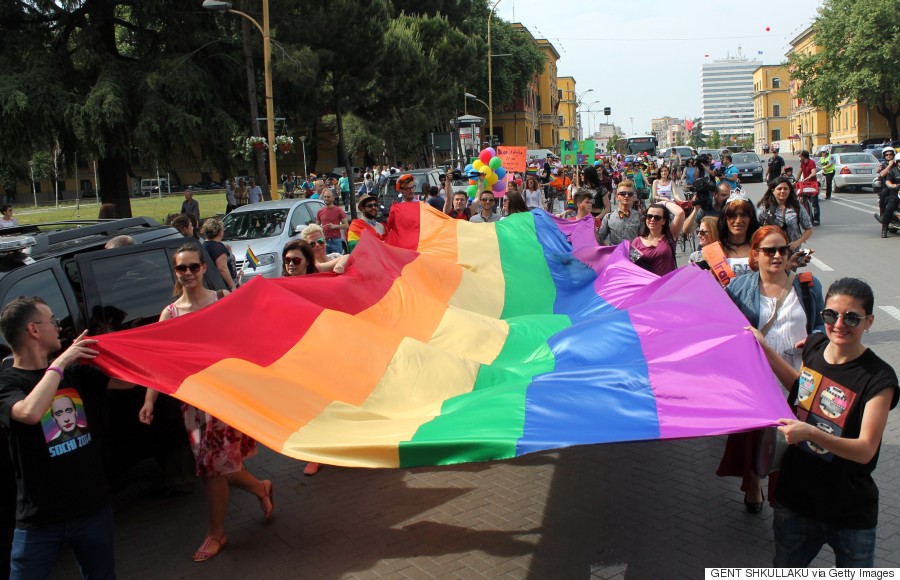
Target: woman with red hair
{"points": [[786, 308]]}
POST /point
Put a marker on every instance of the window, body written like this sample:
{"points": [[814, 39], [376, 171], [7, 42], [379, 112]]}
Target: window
{"points": [[776, 110], [45, 285], [538, 103], [776, 135], [133, 289], [776, 83], [498, 134], [304, 215], [559, 94]]}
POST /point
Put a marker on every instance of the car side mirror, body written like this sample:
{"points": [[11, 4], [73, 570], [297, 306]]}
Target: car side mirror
{"points": [[298, 229]]}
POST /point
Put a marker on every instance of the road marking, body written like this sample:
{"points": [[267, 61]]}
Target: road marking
{"points": [[891, 310], [866, 209], [820, 264]]}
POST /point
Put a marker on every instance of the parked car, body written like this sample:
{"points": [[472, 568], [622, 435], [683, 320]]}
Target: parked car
{"points": [[714, 155], [388, 194], [749, 166], [265, 227], [152, 186], [854, 170], [835, 148], [90, 288]]}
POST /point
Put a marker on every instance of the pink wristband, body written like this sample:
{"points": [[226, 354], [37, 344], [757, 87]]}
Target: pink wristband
{"points": [[55, 369]]}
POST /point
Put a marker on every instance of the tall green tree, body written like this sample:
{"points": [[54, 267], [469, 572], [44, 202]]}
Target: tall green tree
{"points": [[715, 140], [697, 139], [859, 58]]}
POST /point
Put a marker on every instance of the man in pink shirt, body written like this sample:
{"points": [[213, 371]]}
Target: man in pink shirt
{"points": [[333, 219]]}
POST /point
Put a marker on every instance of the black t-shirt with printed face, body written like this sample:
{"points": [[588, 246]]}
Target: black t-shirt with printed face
{"points": [[58, 461], [814, 482]]}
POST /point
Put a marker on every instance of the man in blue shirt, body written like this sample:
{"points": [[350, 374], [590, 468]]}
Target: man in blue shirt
{"points": [[729, 172]]}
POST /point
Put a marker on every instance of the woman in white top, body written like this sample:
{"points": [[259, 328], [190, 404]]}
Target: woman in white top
{"points": [[664, 187], [534, 197]]}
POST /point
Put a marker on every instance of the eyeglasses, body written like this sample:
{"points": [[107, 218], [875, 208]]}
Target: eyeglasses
{"points": [[626, 193], [702, 232], [293, 260], [653, 217], [487, 199], [851, 319], [194, 268], [782, 250], [53, 320], [320, 241]]}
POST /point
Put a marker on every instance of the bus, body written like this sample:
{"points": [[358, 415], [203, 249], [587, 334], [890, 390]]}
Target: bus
{"points": [[640, 144]]}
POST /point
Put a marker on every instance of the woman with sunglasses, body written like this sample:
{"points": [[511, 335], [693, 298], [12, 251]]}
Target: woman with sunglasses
{"points": [[841, 395], [786, 310], [219, 449], [656, 241], [781, 207], [737, 224], [325, 262], [534, 196], [707, 233]]}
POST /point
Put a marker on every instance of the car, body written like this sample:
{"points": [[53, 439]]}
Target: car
{"points": [[388, 194], [265, 227], [854, 170], [151, 187], [714, 155], [749, 166], [93, 289], [834, 148]]}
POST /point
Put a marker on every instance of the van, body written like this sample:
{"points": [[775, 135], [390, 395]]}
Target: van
{"points": [[152, 186]]}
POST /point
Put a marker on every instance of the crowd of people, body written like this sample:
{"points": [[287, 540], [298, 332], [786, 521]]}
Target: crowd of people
{"points": [[824, 492]]}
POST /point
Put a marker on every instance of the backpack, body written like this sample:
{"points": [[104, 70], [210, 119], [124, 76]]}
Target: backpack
{"points": [[806, 285]]}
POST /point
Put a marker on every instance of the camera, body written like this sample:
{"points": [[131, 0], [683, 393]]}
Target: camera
{"points": [[703, 189]]}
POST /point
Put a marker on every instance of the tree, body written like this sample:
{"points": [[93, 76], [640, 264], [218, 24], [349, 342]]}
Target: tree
{"points": [[714, 141], [858, 60], [612, 143], [697, 139]]}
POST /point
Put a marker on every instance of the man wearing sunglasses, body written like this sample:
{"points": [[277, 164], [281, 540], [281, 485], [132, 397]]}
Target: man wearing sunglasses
{"points": [[487, 214], [366, 222], [623, 222], [50, 415]]}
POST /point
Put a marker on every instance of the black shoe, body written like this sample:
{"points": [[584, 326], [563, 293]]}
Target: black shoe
{"points": [[754, 507], [816, 223], [884, 232], [878, 217]]}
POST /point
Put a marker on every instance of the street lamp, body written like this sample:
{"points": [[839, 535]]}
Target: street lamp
{"points": [[490, 89], [472, 97], [219, 6], [303, 142]]}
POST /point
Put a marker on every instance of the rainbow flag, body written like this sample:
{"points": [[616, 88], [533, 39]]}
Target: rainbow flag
{"points": [[457, 342], [250, 258]]}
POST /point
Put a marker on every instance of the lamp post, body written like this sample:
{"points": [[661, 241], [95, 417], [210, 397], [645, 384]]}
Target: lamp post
{"points": [[490, 105], [303, 143], [219, 6], [471, 97]]}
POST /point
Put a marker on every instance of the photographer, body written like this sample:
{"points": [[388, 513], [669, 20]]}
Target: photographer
{"points": [[707, 203]]}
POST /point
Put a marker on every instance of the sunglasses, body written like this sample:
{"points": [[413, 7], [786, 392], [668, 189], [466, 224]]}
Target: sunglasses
{"points": [[782, 250], [320, 241], [53, 320], [851, 319], [487, 199], [702, 232], [652, 217], [183, 268], [626, 193], [294, 261]]}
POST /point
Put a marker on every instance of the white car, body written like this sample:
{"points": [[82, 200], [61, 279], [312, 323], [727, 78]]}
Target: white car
{"points": [[265, 228], [854, 170]]}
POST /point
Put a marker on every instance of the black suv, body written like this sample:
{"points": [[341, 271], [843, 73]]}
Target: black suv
{"points": [[90, 288]]}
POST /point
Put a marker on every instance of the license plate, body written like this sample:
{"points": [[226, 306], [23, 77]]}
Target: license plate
{"points": [[864, 171], [746, 175]]}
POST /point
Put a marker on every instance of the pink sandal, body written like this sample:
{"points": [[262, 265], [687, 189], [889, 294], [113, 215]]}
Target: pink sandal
{"points": [[205, 552]]}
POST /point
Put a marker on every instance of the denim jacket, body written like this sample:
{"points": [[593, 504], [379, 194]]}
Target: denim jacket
{"points": [[744, 292]]}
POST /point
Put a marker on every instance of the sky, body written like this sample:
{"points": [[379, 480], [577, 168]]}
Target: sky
{"points": [[666, 42]]}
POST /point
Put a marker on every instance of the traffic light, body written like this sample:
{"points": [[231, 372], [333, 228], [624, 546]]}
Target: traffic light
{"points": [[607, 111]]}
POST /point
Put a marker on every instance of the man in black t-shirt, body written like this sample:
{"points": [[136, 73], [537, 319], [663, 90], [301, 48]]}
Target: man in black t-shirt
{"points": [[776, 164], [49, 416]]}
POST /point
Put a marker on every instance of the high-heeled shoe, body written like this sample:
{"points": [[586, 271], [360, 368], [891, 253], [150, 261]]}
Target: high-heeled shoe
{"points": [[754, 507]]}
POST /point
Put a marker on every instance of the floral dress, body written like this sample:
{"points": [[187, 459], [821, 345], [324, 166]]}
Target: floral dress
{"points": [[219, 448]]}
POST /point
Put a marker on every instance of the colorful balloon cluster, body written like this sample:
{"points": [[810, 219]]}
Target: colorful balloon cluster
{"points": [[489, 169]]}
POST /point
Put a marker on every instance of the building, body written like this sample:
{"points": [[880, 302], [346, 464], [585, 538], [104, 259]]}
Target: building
{"points": [[726, 95], [603, 134], [659, 128], [547, 136], [569, 120], [771, 106], [808, 124], [519, 123]]}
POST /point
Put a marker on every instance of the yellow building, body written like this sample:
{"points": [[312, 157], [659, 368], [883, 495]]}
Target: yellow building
{"points": [[808, 124], [855, 122], [771, 106], [569, 126]]}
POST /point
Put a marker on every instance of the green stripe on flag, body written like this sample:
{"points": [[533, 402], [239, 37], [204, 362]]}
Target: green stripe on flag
{"points": [[529, 284]]}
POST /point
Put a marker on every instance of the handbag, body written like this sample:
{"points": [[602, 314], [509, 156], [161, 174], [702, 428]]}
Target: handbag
{"points": [[642, 192], [769, 451]]}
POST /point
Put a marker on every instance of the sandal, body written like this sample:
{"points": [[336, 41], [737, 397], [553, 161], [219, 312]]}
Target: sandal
{"points": [[205, 552], [269, 499]]}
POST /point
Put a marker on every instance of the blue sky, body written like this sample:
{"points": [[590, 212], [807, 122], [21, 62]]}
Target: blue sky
{"points": [[643, 58]]}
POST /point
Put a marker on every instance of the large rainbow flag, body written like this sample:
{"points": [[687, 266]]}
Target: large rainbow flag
{"points": [[457, 342]]}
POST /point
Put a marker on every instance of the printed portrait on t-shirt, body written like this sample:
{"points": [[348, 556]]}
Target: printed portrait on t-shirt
{"points": [[65, 420], [823, 403]]}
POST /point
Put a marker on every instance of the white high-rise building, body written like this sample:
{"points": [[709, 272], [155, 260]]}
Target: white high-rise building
{"points": [[726, 95]]}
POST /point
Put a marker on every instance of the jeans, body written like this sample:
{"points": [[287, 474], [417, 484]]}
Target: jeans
{"points": [[891, 202], [829, 178], [90, 537], [334, 245], [798, 540], [814, 202]]}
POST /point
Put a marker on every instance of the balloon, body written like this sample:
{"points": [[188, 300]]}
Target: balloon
{"points": [[485, 156], [495, 163], [500, 171], [492, 179], [486, 171], [492, 150], [519, 182], [472, 182], [768, 29], [499, 187], [468, 168], [472, 190], [477, 164]]}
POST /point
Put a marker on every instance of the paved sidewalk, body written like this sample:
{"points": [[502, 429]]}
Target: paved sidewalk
{"points": [[636, 510]]}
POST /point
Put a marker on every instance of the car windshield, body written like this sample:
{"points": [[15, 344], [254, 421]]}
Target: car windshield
{"points": [[684, 151], [846, 148], [856, 158], [745, 158], [254, 224]]}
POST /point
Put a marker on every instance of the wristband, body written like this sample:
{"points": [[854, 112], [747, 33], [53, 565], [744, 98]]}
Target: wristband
{"points": [[55, 369]]}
